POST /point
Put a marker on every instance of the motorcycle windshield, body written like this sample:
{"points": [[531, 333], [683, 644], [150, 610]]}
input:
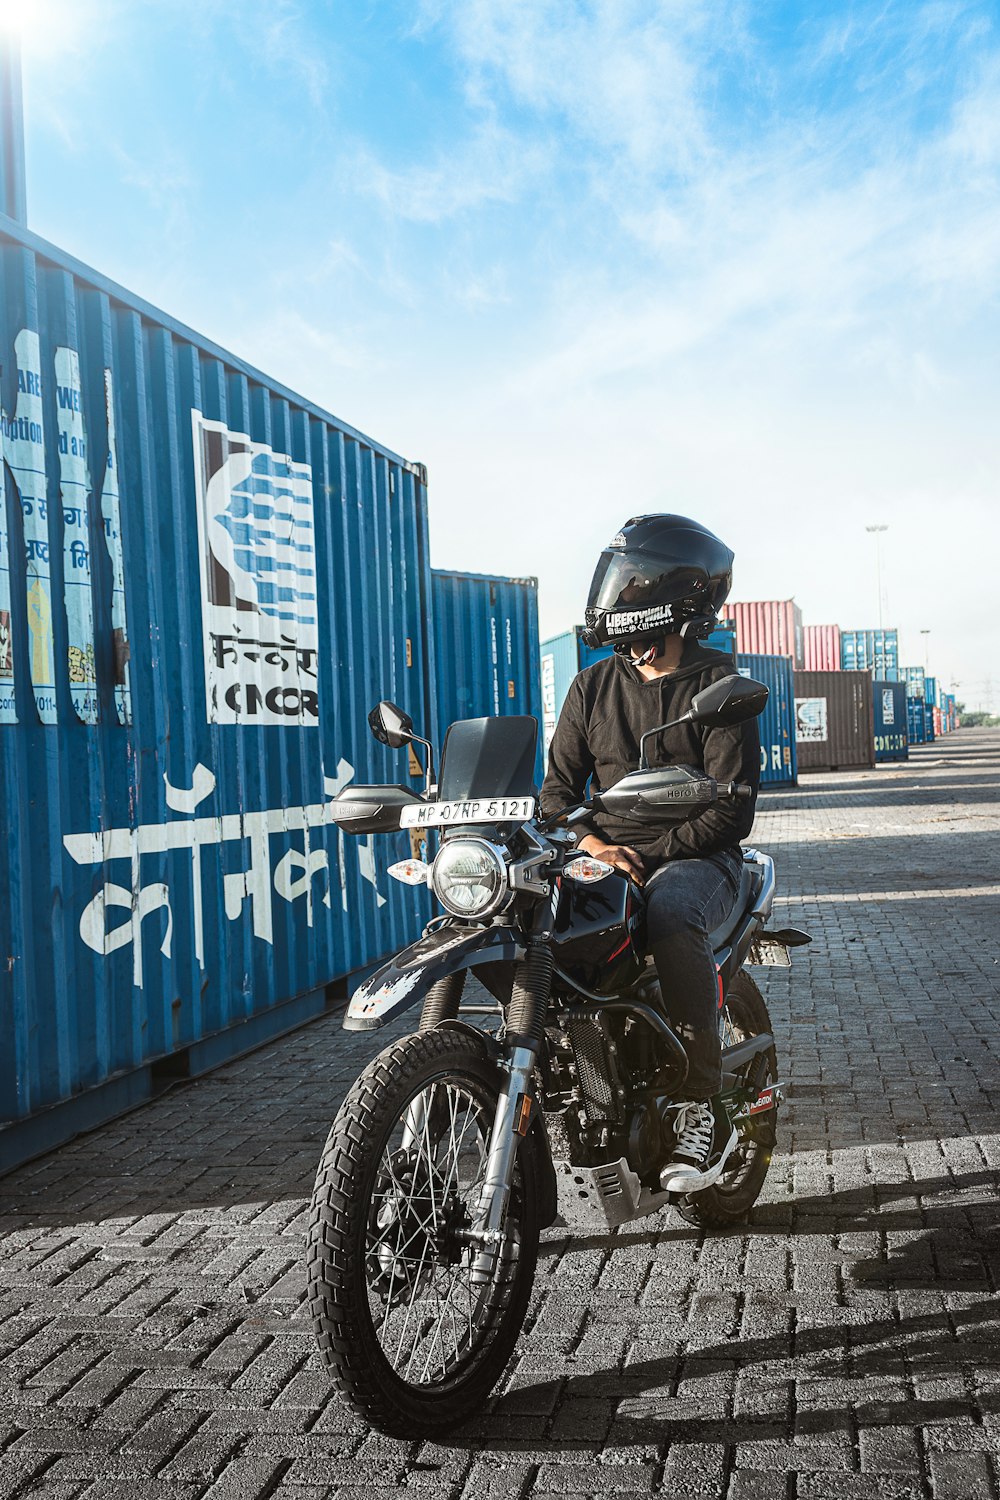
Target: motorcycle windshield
{"points": [[489, 758]]}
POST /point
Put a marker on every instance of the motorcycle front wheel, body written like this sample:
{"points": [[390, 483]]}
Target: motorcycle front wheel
{"points": [[413, 1339]]}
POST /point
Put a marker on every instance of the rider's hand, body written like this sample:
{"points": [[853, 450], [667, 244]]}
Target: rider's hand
{"points": [[620, 855]]}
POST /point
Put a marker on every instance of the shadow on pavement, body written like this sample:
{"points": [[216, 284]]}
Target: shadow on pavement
{"points": [[938, 1244]]}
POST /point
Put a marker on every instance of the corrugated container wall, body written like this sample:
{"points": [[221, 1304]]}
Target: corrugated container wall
{"points": [[916, 721], [889, 704], [875, 651], [915, 678], [833, 720], [559, 664], [768, 627], [778, 758], [931, 692], [485, 649], [205, 582], [563, 656], [821, 648]]}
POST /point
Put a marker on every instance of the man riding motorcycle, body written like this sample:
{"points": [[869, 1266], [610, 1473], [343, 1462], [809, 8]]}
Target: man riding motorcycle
{"points": [[657, 588]]}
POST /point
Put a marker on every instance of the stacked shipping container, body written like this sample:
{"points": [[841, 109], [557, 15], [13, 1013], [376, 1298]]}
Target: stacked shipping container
{"points": [[485, 648], [914, 677], [833, 720], [821, 648], [769, 627], [891, 740], [778, 751], [874, 651], [205, 582]]}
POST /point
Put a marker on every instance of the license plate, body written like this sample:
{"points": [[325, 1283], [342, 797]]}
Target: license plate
{"points": [[477, 810], [768, 952]]}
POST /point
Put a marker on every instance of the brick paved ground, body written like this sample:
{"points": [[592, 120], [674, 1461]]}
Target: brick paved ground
{"points": [[845, 1344]]}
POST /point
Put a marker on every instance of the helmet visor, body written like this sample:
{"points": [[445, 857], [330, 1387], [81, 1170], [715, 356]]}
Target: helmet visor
{"points": [[623, 582]]}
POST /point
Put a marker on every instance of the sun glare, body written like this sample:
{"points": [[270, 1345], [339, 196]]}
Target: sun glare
{"points": [[41, 26]]}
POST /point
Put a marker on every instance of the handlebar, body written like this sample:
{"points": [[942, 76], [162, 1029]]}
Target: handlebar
{"points": [[742, 791]]}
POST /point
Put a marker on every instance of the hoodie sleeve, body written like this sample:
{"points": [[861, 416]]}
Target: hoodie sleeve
{"points": [[731, 754], [571, 763]]}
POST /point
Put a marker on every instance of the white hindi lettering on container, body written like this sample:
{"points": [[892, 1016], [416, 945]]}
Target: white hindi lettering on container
{"points": [[291, 877]]}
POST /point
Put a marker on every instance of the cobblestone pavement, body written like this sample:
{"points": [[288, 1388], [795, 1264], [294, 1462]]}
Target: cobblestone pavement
{"points": [[844, 1344]]}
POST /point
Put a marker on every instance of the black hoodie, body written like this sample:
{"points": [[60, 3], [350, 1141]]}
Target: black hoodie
{"points": [[607, 710]]}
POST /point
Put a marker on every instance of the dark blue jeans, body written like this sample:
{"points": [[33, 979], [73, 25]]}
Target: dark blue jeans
{"points": [[685, 900]]}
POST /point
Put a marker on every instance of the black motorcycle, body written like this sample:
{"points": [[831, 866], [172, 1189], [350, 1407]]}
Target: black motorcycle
{"points": [[542, 1096]]}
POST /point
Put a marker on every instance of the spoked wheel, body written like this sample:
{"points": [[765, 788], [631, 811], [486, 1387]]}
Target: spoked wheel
{"points": [[415, 1335], [744, 1015]]}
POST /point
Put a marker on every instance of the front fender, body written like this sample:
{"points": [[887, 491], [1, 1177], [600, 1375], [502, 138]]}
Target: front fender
{"points": [[405, 979]]}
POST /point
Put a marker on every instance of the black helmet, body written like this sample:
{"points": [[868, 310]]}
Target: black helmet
{"points": [[661, 575]]}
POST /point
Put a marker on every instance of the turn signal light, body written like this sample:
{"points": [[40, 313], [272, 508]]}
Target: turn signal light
{"points": [[585, 869], [410, 871]]}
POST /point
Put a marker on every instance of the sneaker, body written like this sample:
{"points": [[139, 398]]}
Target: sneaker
{"points": [[704, 1141]]}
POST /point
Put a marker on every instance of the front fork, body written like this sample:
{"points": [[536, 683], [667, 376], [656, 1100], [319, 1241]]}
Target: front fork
{"points": [[525, 1027], [513, 1111]]}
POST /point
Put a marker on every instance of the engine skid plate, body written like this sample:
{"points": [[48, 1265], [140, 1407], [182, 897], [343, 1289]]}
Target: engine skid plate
{"points": [[595, 1199]]}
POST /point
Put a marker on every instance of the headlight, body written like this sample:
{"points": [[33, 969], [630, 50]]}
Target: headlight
{"points": [[469, 878]]}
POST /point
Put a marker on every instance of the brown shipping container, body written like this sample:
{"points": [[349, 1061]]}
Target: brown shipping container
{"points": [[768, 627], [833, 721], [821, 645]]}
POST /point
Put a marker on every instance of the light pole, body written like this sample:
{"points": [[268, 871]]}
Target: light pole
{"points": [[878, 568], [927, 650]]}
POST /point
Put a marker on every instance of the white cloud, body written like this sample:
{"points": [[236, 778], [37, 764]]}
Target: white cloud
{"points": [[492, 165]]}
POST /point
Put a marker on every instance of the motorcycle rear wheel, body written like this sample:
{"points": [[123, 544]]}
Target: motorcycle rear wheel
{"points": [[411, 1342], [731, 1199]]}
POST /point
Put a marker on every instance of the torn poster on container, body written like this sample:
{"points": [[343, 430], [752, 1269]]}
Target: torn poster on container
{"points": [[257, 558], [24, 451], [74, 492], [810, 720], [111, 512]]}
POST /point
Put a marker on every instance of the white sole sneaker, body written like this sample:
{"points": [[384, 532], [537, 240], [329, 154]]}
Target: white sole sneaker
{"points": [[682, 1178]]}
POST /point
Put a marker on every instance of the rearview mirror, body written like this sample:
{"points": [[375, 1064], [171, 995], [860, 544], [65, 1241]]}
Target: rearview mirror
{"points": [[730, 700], [390, 725]]}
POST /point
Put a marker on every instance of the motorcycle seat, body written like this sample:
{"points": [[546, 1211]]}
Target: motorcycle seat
{"points": [[750, 883]]}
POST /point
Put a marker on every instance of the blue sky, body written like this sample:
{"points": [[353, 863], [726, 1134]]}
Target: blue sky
{"points": [[584, 260]]}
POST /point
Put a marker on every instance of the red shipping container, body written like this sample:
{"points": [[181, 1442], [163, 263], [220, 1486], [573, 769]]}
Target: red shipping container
{"points": [[937, 722], [768, 627], [821, 648]]}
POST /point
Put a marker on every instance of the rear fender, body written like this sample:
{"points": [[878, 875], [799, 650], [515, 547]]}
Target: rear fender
{"points": [[731, 958], [404, 981]]}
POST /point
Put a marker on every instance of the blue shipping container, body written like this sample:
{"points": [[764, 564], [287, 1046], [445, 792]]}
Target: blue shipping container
{"points": [[205, 583], [874, 651], [778, 758], [916, 721], [914, 677], [563, 656], [890, 716], [485, 649], [931, 692]]}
